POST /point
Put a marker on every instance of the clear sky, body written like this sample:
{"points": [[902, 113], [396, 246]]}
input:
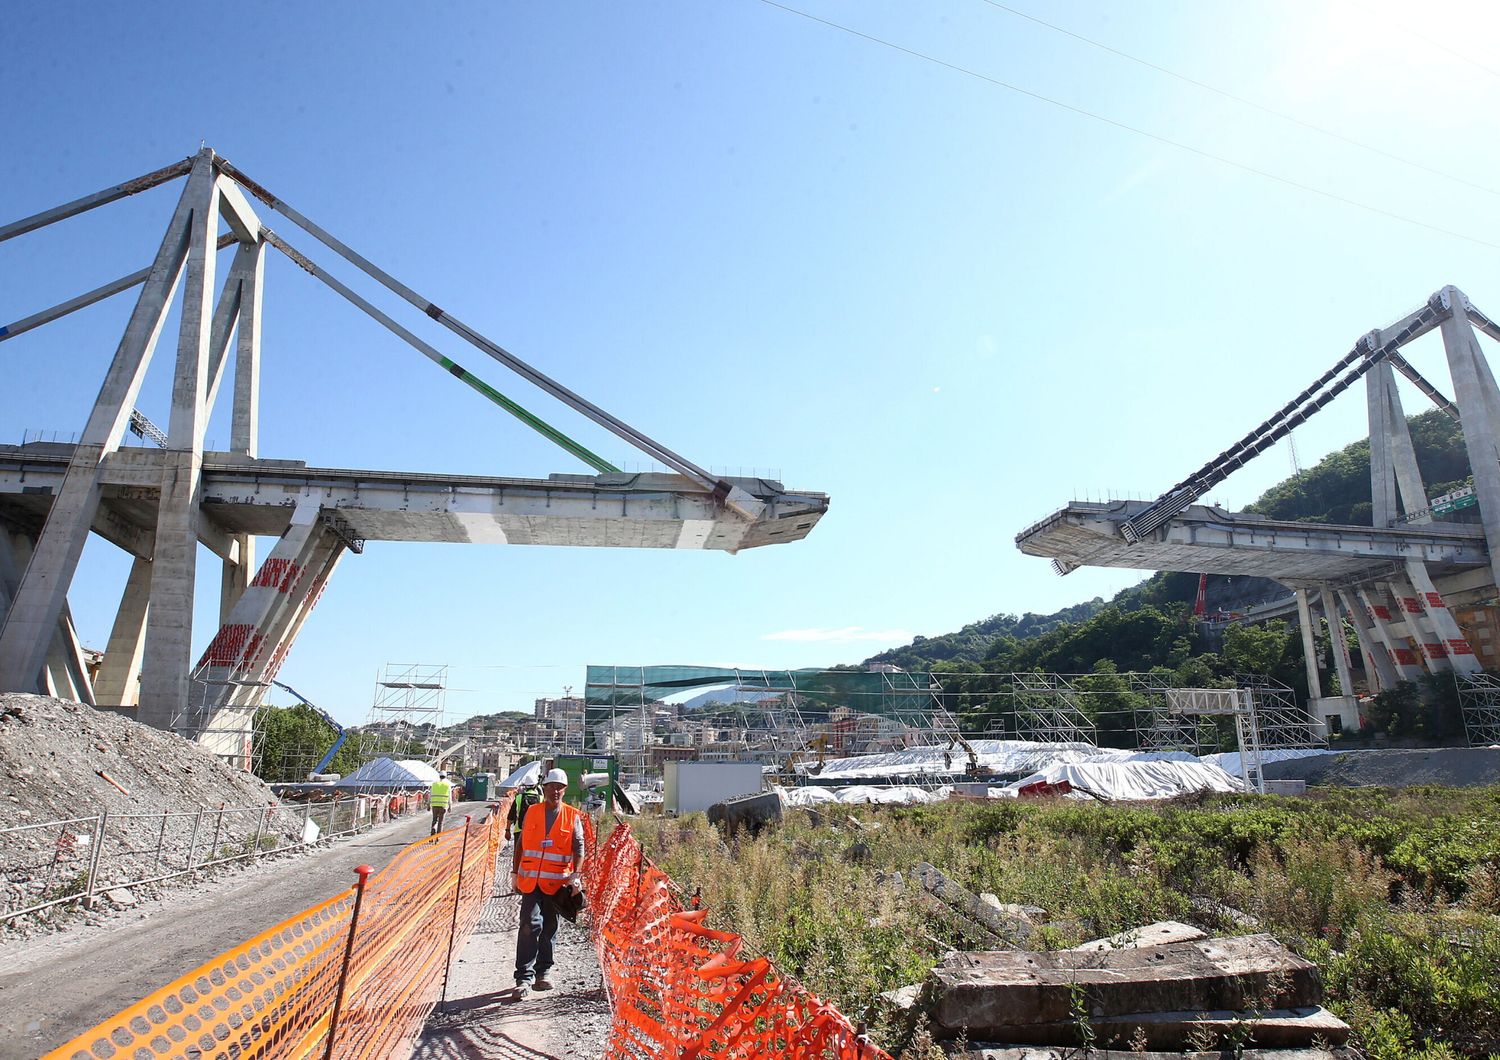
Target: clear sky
{"points": [[850, 256]]}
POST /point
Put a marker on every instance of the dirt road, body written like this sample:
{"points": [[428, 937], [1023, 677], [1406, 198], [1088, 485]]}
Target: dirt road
{"points": [[55, 987], [485, 1020]]}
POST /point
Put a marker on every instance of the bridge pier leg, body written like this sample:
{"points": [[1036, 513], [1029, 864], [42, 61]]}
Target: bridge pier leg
{"points": [[43, 588], [1479, 407], [1403, 659], [119, 678], [168, 655], [1338, 642], [1458, 652], [1429, 642], [1309, 646], [1381, 674]]}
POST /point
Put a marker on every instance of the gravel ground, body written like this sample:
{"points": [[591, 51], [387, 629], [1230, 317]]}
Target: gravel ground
{"points": [[54, 988], [1458, 767], [484, 1020]]}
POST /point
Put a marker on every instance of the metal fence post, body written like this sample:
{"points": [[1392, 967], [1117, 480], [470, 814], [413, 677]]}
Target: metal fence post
{"points": [[193, 842], [458, 892], [161, 838], [213, 850], [94, 858], [363, 872], [260, 824]]}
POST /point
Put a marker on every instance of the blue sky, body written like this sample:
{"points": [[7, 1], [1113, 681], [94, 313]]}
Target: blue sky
{"points": [[768, 243]]}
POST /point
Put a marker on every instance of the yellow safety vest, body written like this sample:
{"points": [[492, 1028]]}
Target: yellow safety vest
{"points": [[546, 859], [441, 789]]}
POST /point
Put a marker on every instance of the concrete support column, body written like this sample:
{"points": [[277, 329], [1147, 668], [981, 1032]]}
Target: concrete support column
{"points": [[1378, 668], [119, 684], [65, 673], [1338, 642], [33, 615], [1404, 661], [1309, 646], [168, 652], [1458, 652], [1434, 651], [244, 434], [1474, 391], [1393, 458]]}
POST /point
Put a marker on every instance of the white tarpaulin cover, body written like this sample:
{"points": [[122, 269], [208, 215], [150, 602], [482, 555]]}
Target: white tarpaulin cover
{"points": [[995, 756], [860, 794], [1131, 780], [1229, 761], [524, 777], [391, 773]]}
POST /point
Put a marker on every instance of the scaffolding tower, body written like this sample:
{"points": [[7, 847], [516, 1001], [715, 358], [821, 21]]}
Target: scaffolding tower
{"points": [[1479, 706], [406, 716]]}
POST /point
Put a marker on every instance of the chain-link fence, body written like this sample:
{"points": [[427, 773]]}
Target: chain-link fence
{"points": [[78, 860]]}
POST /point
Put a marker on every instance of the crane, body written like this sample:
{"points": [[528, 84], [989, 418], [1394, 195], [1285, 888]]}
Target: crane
{"points": [[339, 729]]}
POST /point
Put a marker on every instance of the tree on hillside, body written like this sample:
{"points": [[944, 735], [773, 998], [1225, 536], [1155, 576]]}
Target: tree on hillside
{"points": [[290, 740]]}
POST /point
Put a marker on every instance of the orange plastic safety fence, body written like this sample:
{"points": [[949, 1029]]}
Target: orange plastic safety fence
{"points": [[275, 996], [681, 989]]}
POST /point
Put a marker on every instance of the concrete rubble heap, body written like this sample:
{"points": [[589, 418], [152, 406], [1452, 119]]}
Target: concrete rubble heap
{"points": [[1199, 993]]}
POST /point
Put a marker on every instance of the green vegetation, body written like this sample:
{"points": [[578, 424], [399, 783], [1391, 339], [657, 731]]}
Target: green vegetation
{"points": [[290, 740], [1395, 895]]}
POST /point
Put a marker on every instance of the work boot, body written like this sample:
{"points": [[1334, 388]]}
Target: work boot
{"points": [[541, 983]]}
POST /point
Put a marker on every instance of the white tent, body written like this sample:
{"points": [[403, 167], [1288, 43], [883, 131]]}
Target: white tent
{"points": [[391, 774], [524, 777]]}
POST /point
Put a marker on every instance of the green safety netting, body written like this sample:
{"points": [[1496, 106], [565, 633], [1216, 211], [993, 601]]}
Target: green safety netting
{"points": [[819, 691]]}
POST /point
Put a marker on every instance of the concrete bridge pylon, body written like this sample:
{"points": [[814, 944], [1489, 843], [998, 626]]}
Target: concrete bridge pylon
{"points": [[160, 504]]}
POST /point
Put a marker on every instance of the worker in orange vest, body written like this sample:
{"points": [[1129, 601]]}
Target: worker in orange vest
{"points": [[546, 857]]}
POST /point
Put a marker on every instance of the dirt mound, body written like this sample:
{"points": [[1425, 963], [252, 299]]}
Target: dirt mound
{"points": [[52, 755], [52, 751], [1456, 767]]}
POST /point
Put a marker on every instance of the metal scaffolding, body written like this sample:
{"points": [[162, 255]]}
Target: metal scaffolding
{"points": [[1479, 705]]}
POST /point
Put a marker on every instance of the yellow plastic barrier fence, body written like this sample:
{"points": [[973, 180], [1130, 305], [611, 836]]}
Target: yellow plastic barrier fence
{"points": [[683, 990], [354, 977]]}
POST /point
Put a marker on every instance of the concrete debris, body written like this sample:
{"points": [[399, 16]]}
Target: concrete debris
{"points": [[903, 998], [752, 812], [121, 896], [1153, 996], [1074, 1053], [1032, 914], [1159, 934], [971, 912]]}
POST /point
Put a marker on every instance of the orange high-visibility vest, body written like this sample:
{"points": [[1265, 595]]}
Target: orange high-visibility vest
{"points": [[546, 858]]}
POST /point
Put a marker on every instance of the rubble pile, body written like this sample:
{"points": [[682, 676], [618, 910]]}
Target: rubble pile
{"points": [[61, 760]]}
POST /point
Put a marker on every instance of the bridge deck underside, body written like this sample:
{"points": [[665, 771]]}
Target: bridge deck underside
{"points": [[1214, 541], [257, 497]]}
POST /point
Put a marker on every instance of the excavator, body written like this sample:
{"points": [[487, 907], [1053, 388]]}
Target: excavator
{"points": [[970, 770]]}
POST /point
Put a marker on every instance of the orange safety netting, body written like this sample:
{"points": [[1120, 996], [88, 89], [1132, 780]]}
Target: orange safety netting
{"points": [[681, 989], [279, 996]]}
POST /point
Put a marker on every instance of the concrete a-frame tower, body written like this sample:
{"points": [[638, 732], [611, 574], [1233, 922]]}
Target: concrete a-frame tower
{"points": [[160, 504], [163, 580]]}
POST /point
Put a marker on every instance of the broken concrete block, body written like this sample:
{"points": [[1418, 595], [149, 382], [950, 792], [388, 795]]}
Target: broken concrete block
{"points": [[1278, 1028], [999, 990], [968, 906], [1000, 1052], [1032, 914], [121, 896], [902, 999], [1158, 934]]}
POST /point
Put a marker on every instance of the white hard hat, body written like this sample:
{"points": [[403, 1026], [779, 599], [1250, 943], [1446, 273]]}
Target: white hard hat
{"points": [[555, 776]]}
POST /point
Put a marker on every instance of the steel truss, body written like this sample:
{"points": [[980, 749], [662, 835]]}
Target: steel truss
{"points": [[1479, 704]]}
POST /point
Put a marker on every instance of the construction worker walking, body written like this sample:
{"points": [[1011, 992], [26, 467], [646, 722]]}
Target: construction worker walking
{"points": [[439, 798], [548, 857]]}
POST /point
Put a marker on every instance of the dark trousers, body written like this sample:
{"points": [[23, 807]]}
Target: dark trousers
{"points": [[437, 819], [534, 937]]}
